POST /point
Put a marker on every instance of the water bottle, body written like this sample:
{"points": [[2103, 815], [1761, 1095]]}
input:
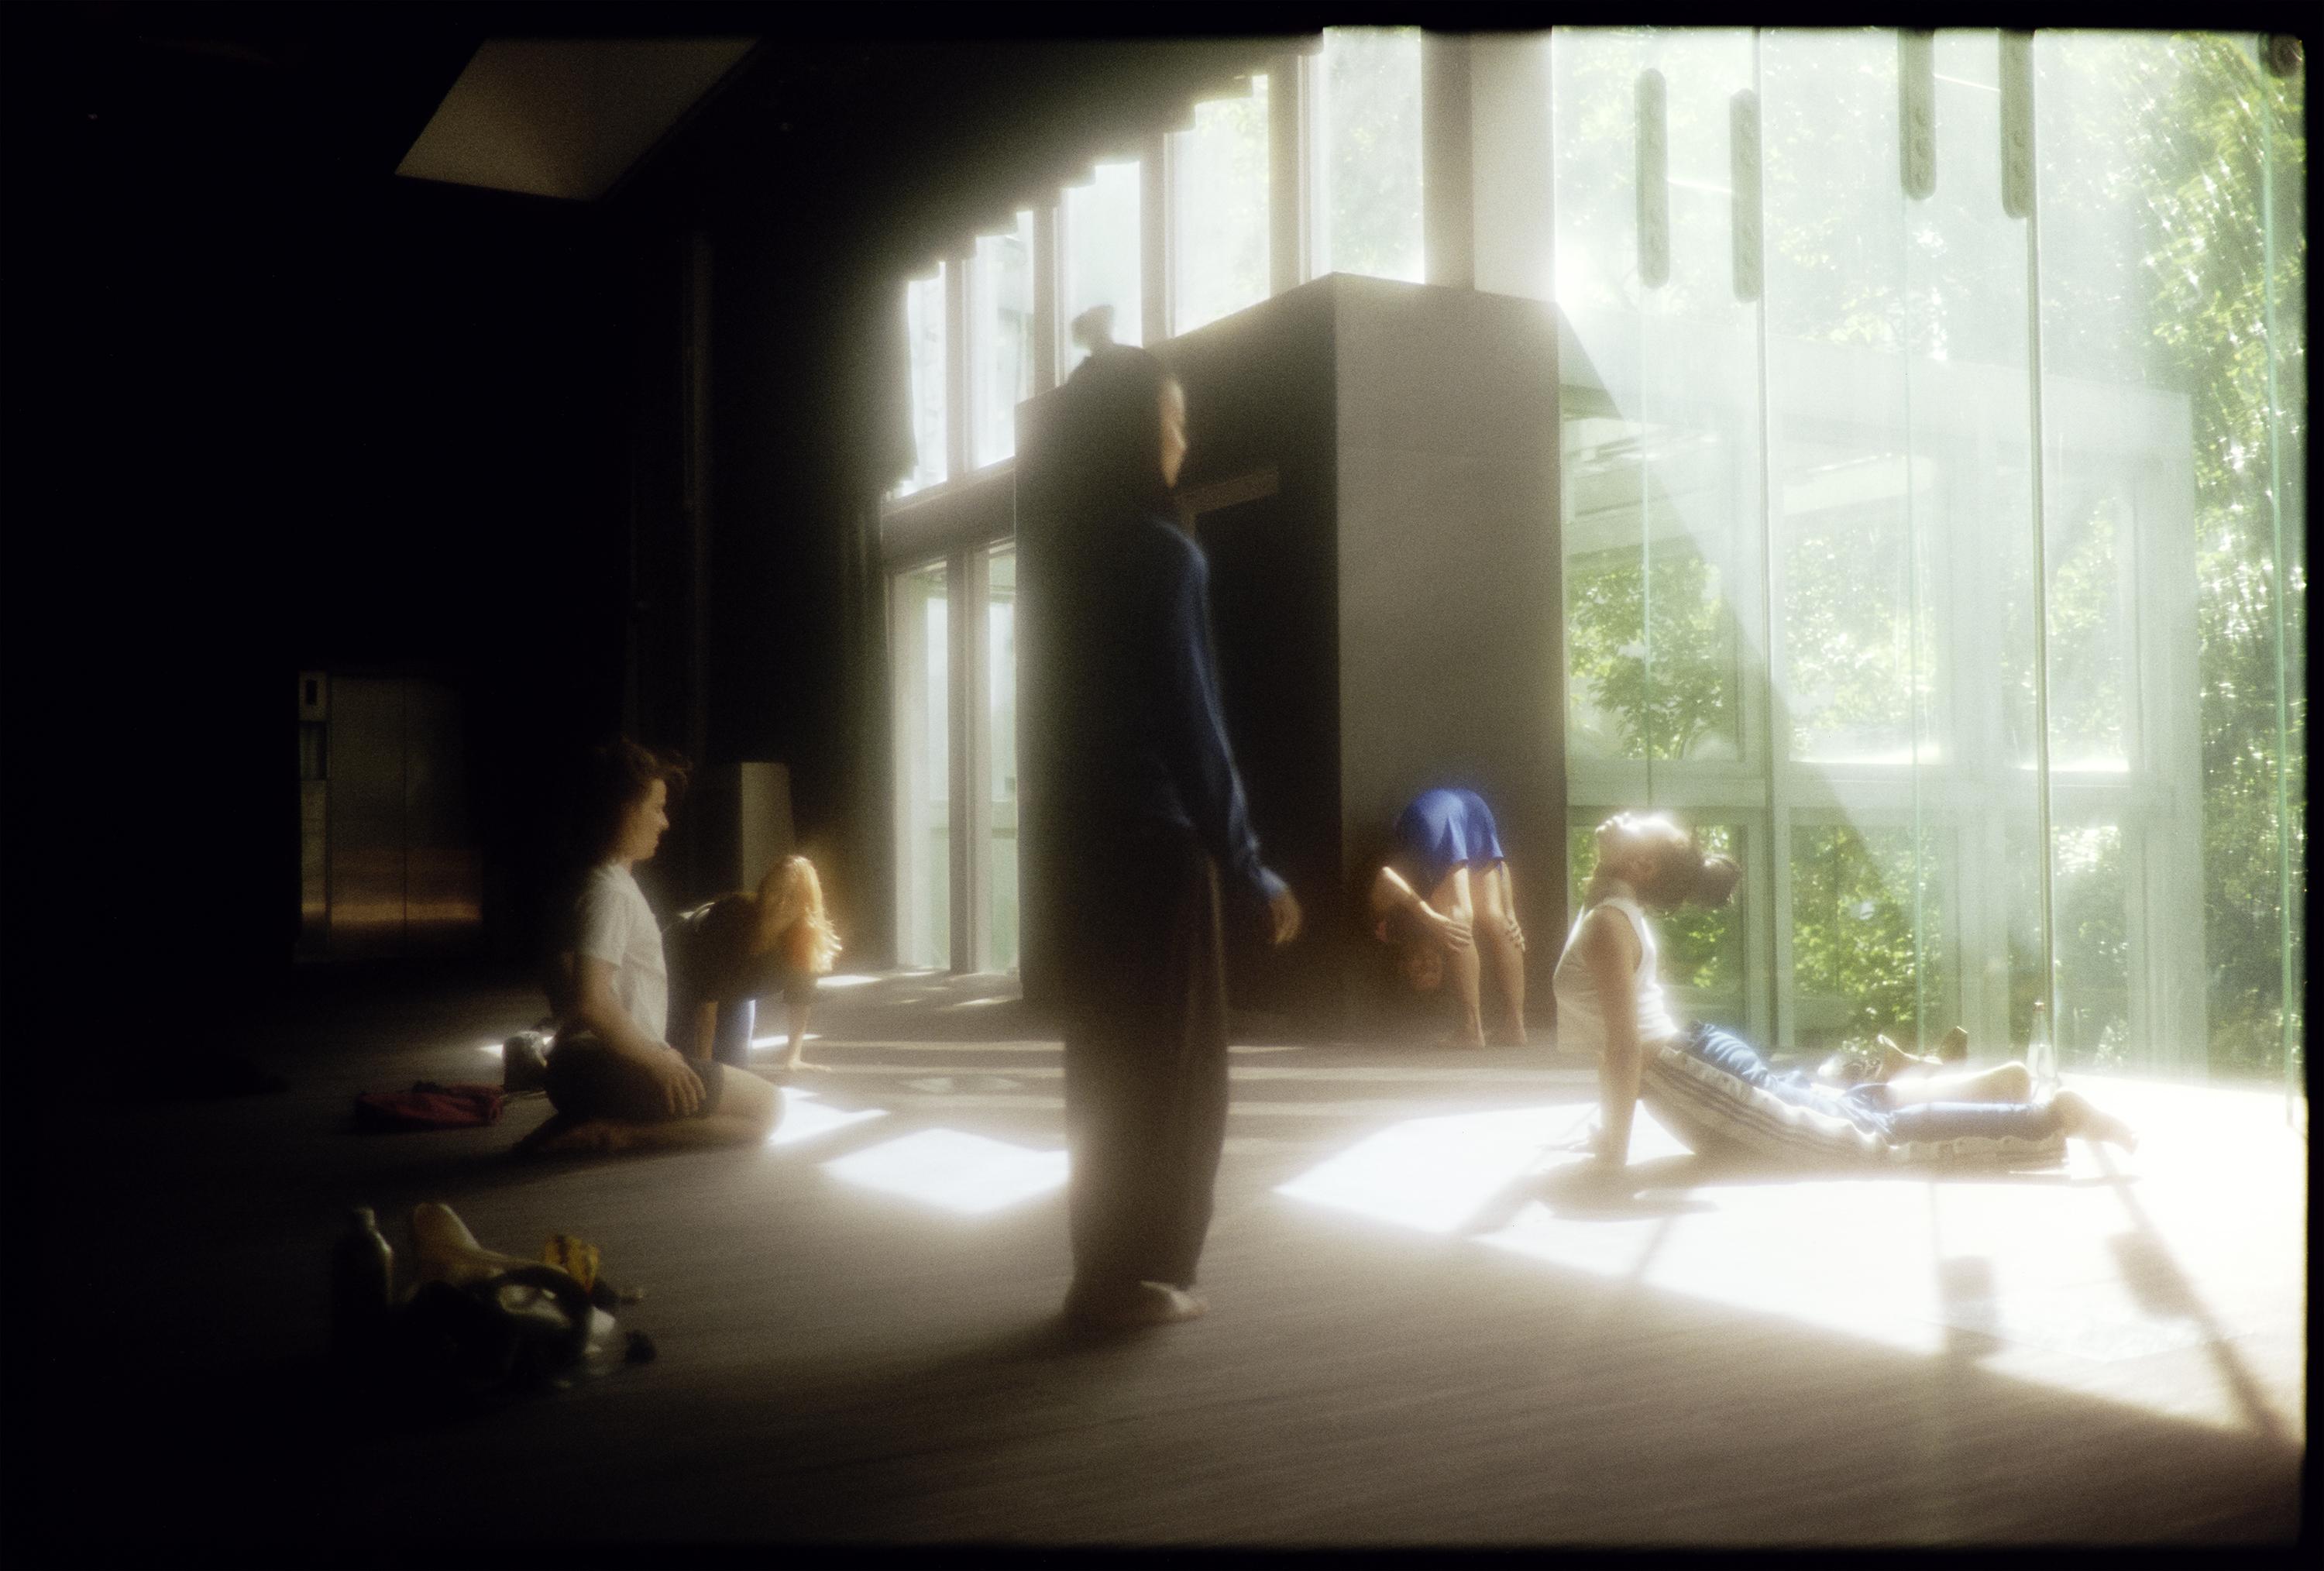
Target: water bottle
{"points": [[2042, 1056], [363, 1276]]}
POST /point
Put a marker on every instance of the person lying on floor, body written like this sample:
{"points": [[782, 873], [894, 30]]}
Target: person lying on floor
{"points": [[1712, 1089], [615, 1082], [1445, 894], [726, 954]]}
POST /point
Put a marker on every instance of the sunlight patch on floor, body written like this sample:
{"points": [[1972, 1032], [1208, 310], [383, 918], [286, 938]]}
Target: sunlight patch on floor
{"points": [[805, 1118], [969, 1174], [1433, 1174]]}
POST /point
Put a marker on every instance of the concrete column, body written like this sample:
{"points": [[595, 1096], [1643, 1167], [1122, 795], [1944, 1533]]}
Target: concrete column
{"points": [[1446, 161], [1513, 237]]}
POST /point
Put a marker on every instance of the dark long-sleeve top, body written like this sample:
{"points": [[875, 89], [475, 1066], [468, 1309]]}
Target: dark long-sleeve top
{"points": [[1144, 737]]}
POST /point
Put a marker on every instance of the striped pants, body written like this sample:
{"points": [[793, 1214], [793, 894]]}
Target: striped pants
{"points": [[1712, 1089]]}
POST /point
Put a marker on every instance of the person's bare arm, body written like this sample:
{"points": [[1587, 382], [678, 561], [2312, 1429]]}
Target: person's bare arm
{"points": [[1610, 951], [1389, 891], [705, 1028], [597, 1008]]}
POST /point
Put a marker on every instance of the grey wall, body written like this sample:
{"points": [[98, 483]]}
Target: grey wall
{"points": [[1450, 607]]}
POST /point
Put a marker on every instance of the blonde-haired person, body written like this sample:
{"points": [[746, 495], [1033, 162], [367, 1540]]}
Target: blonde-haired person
{"points": [[1711, 1088], [728, 953]]}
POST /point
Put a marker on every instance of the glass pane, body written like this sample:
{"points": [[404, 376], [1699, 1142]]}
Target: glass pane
{"points": [[1218, 223], [1101, 248], [924, 324], [1863, 962], [999, 340], [921, 644], [1368, 179], [1001, 662], [2167, 414]]}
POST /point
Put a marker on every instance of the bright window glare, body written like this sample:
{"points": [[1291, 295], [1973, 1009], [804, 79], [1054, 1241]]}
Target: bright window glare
{"points": [[769, 1041], [965, 1173], [805, 1118], [1435, 1173], [846, 981]]}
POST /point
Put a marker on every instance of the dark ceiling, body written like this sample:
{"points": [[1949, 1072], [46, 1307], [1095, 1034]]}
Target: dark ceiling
{"points": [[862, 120]]}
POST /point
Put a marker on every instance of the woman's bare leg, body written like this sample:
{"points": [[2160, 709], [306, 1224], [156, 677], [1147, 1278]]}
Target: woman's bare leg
{"points": [[2010, 1082], [2077, 1116], [799, 1013], [1492, 933], [1451, 896]]}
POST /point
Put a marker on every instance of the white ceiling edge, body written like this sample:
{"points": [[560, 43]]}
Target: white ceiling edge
{"points": [[565, 118]]}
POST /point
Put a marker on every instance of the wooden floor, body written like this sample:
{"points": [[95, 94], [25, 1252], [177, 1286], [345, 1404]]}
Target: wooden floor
{"points": [[1421, 1334]]}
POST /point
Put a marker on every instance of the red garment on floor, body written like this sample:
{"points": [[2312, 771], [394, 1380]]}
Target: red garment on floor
{"points": [[429, 1106]]}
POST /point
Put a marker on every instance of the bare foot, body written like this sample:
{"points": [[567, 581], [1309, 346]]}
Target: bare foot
{"points": [[589, 1137], [801, 1064], [2082, 1117], [1895, 1061], [1509, 1036], [1462, 1039], [1141, 1304]]}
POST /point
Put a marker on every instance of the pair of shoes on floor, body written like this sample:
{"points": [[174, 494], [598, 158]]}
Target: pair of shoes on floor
{"points": [[1138, 1305]]}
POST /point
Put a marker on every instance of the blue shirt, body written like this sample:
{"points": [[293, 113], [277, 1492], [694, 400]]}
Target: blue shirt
{"points": [[1143, 732], [1443, 830]]}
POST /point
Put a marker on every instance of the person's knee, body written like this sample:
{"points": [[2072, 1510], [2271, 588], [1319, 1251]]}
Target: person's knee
{"points": [[2014, 1081]]}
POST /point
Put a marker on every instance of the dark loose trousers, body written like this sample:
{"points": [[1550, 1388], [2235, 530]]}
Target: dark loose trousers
{"points": [[1146, 1066]]}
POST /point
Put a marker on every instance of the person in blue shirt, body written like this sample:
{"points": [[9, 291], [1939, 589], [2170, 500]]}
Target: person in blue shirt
{"points": [[1445, 893], [1149, 812]]}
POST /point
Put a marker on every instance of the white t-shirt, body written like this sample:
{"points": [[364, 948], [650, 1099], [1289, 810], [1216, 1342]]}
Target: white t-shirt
{"points": [[1580, 1017], [617, 926]]}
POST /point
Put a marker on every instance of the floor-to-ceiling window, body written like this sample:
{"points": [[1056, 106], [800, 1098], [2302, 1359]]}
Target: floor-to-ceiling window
{"points": [[1939, 403], [999, 339], [924, 325], [919, 635], [1099, 253], [1363, 181], [1000, 751], [1219, 209]]}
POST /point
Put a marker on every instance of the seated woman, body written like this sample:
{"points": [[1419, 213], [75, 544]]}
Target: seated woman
{"points": [[1446, 889], [612, 1077], [1712, 1089], [726, 954]]}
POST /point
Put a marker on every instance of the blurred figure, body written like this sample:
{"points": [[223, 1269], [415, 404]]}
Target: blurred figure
{"points": [[612, 1077], [726, 954], [1152, 816], [1711, 1088], [1445, 893]]}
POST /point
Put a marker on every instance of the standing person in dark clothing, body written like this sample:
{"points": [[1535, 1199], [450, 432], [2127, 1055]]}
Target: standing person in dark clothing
{"points": [[1151, 813]]}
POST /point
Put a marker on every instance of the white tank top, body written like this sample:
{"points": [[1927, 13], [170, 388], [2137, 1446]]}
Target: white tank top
{"points": [[1581, 1015]]}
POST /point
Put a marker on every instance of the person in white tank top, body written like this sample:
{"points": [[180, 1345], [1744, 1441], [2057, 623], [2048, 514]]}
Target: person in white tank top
{"points": [[1610, 1004], [1610, 996]]}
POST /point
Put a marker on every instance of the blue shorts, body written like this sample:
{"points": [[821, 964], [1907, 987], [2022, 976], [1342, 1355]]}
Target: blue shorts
{"points": [[1713, 1087]]}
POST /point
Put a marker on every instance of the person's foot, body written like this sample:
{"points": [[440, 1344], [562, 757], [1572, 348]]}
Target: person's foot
{"points": [[1509, 1036], [1954, 1049], [587, 1137], [2084, 1119], [1895, 1061], [1476, 1039], [794, 1065], [1131, 1307]]}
